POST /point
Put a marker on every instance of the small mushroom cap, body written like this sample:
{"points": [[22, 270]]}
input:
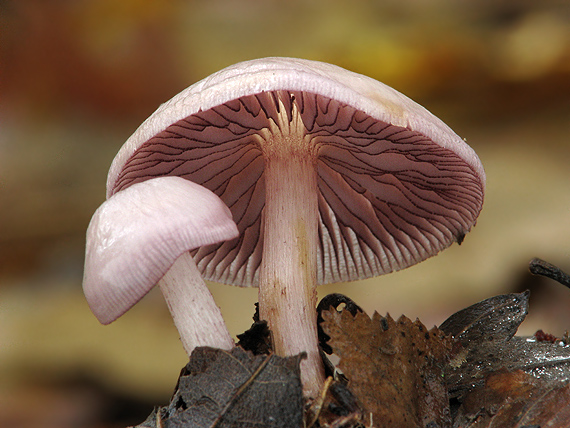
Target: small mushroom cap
{"points": [[396, 185], [136, 236]]}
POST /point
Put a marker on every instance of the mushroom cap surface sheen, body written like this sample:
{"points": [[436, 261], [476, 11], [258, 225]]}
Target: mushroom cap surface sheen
{"points": [[396, 185]]}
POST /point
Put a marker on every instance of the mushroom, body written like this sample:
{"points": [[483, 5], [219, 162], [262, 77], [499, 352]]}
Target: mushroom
{"points": [[141, 237], [330, 175]]}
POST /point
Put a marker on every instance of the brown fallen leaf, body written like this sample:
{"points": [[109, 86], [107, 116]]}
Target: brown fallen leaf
{"points": [[515, 400], [395, 368], [234, 388], [340, 302]]}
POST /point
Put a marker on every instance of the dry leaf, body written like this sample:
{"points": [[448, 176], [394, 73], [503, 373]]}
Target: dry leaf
{"points": [[235, 389], [395, 368], [337, 301], [258, 338]]}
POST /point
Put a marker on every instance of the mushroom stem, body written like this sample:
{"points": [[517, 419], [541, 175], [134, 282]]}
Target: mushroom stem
{"points": [[287, 277], [195, 314]]}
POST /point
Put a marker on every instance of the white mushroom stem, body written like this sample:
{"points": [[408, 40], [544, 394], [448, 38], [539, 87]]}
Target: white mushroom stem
{"points": [[287, 277], [194, 311]]}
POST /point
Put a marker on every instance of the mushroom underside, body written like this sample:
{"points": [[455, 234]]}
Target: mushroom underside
{"points": [[388, 196]]}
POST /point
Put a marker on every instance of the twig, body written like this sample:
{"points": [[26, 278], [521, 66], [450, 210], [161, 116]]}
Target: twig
{"points": [[317, 405], [542, 268]]}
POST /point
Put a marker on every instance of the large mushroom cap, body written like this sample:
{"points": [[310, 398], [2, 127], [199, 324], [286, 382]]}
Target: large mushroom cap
{"points": [[396, 185]]}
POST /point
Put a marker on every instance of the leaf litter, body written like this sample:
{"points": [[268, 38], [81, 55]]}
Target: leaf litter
{"points": [[395, 367], [234, 388], [470, 372]]}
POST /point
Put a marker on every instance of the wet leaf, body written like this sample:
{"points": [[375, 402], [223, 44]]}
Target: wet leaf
{"points": [[494, 319], [395, 368], [235, 389], [515, 399], [546, 360], [485, 332]]}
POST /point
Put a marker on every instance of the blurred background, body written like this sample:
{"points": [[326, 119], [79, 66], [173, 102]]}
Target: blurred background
{"points": [[78, 76]]}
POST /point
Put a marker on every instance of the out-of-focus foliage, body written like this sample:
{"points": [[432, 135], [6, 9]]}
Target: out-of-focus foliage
{"points": [[121, 58]]}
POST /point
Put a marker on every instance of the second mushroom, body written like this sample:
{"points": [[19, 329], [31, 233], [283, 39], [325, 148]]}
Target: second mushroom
{"points": [[140, 238], [330, 176]]}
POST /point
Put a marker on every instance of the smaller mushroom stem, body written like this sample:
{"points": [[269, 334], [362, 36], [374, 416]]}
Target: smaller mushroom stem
{"points": [[195, 313]]}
